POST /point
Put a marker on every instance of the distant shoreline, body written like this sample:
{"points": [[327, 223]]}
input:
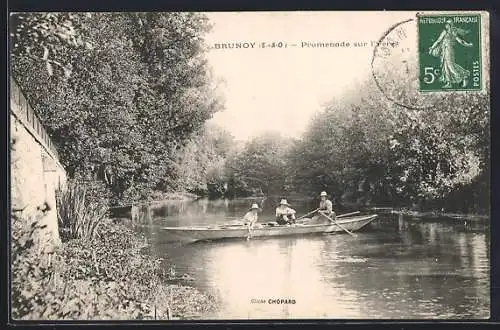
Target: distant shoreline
{"points": [[434, 214], [184, 196], [177, 196]]}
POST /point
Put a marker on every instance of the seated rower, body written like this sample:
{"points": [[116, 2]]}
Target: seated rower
{"points": [[284, 213], [251, 217], [326, 207]]}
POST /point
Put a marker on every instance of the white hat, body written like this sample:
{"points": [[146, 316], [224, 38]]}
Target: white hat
{"points": [[323, 193], [284, 202], [255, 206]]}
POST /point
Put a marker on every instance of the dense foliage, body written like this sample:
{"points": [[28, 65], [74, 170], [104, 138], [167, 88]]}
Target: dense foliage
{"points": [[104, 278], [138, 88], [260, 168], [364, 149], [202, 163]]}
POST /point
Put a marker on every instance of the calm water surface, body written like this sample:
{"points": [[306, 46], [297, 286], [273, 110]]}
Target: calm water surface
{"points": [[396, 268]]}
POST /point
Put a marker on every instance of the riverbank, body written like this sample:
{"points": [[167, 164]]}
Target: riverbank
{"points": [[432, 214], [178, 196], [108, 277], [157, 199]]}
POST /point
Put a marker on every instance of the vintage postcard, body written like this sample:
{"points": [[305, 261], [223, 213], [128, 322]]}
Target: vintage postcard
{"points": [[250, 165]]}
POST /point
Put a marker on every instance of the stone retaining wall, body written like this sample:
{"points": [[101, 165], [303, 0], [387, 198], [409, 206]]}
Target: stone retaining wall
{"points": [[36, 172]]}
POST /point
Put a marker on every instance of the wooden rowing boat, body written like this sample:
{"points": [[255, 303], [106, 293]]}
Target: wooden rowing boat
{"points": [[208, 233]]}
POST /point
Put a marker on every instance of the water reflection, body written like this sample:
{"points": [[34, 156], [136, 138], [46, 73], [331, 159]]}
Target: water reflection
{"points": [[399, 268]]}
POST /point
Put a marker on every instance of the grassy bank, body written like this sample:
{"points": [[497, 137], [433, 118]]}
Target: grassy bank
{"points": [[107, 277]]}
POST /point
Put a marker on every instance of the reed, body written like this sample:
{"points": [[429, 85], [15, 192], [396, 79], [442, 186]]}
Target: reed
{"points": [[82, 207]]}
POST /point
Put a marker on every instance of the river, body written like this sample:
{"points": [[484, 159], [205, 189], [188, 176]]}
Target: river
{"points": [[396, 268]]}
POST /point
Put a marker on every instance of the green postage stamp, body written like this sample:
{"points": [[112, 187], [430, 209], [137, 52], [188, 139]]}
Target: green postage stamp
{"points": [[449, 52]]}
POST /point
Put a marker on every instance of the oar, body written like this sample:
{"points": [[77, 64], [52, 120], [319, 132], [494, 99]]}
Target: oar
{"points": [[335, 222], [305, 215], [338, 216], [348, 214]]}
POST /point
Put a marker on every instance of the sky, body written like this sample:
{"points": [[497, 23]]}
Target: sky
{"points": [[279, 89]]}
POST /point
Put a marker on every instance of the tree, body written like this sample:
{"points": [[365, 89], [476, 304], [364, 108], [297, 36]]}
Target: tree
{"points": [[345, 146], [261, 166], [441, 150], [367, 149], [133, 100], [42, 36], [202, 161]]}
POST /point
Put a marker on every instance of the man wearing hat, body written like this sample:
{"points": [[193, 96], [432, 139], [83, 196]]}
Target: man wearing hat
{"points": [[326, 207], [284, 213], [251, 217]]}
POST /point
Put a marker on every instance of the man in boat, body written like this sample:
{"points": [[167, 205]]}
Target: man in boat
{"points": [[326, 207], [251, 217], [284, 213]]}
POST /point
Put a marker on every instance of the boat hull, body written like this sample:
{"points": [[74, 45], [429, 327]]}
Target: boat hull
{"points": [[354, 223], [235, 232]]}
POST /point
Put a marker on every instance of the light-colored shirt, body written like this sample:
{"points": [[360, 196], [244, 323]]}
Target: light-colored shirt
{"points": [[326, 206], [287, 211], [251, 217]]}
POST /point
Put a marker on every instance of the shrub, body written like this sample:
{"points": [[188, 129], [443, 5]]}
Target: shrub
{"points": [[76, 286], [108, 277], [30, 272], [82, 206]]}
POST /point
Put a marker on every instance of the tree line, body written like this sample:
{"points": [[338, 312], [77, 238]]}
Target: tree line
{"points": [[127, 98], [366, 150]]}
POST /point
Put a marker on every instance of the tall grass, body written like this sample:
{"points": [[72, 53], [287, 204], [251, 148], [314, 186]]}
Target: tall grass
{"points": [[82, 206]]}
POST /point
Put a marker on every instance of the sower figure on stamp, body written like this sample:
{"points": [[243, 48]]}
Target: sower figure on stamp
{"points": [[443, 47], [284, 213], [326, 207]]}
